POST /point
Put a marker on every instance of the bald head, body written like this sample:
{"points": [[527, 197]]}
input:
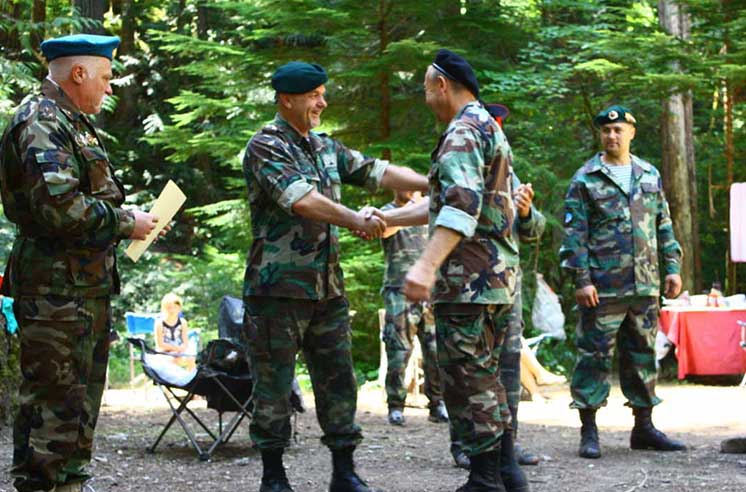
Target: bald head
{"points": [[84, 79]]}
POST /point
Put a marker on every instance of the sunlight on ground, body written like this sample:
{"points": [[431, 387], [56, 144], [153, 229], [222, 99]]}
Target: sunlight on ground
{"points": [[716, 410]]}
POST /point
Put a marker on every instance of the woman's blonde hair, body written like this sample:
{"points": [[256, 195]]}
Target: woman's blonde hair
{"points": [[170, 298]]}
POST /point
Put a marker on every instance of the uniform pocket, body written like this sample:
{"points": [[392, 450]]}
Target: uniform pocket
{"points": [[100, 178], [91, 268]]}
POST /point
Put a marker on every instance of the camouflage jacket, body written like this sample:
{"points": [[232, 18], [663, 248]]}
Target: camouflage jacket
{"points": [[59, 188], [471, 193], [292, 256], [401, 251], [612, 239]]}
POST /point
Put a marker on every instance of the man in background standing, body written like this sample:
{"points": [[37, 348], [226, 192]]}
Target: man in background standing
{"points": [[405, 319], [616, 223]]}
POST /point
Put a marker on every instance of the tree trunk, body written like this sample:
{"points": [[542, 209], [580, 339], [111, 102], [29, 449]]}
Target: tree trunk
{"points": [[383, 11], [202, 20], [92, 9], [9, 40], [127, 94], [679, 172], [38, 16], [181, 18]]}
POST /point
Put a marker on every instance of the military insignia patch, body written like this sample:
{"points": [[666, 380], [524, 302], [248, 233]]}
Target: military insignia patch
{"points": [[613, 115], [629, 118], [568, 218]]}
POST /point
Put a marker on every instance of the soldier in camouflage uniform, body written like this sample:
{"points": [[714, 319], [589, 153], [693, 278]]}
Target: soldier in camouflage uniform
{"points": [[527, 228], [293, 289], [471, 260], [60, 190], [405, 319], [617, 222]]}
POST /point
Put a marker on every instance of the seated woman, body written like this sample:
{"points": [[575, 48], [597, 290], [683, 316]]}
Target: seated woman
{"points": [[533, 373], [171, 332]]}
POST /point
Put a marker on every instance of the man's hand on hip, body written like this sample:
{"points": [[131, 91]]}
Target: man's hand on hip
{"points": [[587, 296]]}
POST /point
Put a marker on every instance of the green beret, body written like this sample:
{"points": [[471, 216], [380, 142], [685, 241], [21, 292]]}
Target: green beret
{"points": [[80, 44], [298, 77], [614, 114]]}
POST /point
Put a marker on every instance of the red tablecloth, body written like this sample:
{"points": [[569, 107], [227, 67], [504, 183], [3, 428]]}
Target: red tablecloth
{"points": [[706, 339]]}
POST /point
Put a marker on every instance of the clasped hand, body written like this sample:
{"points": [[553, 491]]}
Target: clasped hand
{"points": [[369, 224]]}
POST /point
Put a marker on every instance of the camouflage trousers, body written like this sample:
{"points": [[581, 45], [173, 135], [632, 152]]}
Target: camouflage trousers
{"points": [[64, 353], [632, 324], [404, 320], [276, 329], [470, 338], [510, 356]]}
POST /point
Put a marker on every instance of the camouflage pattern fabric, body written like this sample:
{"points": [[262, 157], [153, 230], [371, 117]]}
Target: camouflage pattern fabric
{"points": [[401, 251], [64, 353], [527, 230], [612, 240], [470, 340], [291, 256], [404, 320], [276, 329], [59, 188], [471, 193], [632, 323]]}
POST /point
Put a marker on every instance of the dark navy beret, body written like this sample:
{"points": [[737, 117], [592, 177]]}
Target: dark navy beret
{"points": [[298, 77], [454, 67], [80, 44], [614, 114]]}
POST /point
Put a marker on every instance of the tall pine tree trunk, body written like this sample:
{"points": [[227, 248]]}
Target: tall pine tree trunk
{"points": [[92, 9], [679, 172], [38, 16], [384, 8]]}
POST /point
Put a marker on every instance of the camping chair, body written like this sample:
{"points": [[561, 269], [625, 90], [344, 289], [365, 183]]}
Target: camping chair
{"points": [[141, 324], [222, 377]]}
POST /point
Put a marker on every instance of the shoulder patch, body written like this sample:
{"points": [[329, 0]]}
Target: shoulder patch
{"points": [[47, 110]]}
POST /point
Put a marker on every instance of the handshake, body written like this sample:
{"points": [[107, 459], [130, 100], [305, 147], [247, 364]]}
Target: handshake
{"points": [[369, 223]]}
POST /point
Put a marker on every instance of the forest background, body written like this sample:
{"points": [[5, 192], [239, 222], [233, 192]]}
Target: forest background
{"points": [[192, 86]]}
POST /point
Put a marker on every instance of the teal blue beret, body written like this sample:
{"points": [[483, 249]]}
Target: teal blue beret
{"points": [[614, 114], [80, 44], [298, 77]]}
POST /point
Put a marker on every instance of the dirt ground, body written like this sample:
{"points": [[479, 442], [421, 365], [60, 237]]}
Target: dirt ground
{"points": [[415, 458]]}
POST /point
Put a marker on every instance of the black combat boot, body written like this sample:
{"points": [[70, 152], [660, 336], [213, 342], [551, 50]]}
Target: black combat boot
{"points": [[344, 478], [589, 447], [645, 436], [273, 476], [483, 474], [511, 474]]}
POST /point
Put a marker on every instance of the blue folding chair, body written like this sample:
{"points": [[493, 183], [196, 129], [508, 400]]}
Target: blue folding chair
{"points": [[138, 325]]}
